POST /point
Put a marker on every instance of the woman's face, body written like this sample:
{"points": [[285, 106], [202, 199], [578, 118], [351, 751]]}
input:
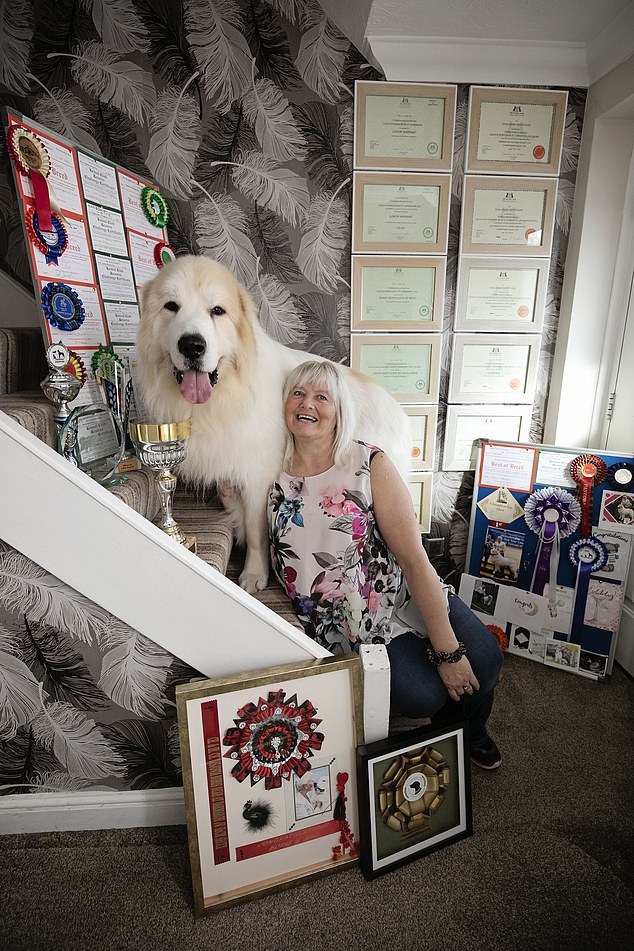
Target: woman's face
{"points": [[310, 412]]}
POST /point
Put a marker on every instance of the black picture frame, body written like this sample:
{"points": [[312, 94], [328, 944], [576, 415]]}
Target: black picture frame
{"points": [[414, 796]]}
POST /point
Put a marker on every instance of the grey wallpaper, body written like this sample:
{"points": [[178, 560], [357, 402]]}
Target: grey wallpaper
{"points": [[242, 110]]}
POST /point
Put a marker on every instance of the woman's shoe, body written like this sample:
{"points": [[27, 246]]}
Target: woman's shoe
{"points": [[486, 756]]}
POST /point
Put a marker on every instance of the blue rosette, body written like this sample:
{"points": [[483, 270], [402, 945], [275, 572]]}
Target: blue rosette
{"points": [[51, 243], [62, 306], [552, 513], [620, 476], [587, 555]]}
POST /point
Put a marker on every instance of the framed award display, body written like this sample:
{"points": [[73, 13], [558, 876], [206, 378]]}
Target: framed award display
{"points": [[420, 486], [466, 425], [487, 368], [407, 365], [510, 216], [397, 293], [515, 131], [404, 126], [400, 213], [269, 777], [501, 294], [423, 420], [414, 796]]}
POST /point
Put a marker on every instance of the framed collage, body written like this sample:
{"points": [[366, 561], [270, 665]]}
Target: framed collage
{"points": [[404, 126], [269, 777], [515, 131]]}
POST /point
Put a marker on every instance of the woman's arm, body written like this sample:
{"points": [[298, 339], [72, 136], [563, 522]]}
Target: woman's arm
{"points": [[397, 524]]}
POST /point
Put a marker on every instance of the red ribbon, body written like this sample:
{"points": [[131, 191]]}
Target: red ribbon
{"points": [[588, 471]]}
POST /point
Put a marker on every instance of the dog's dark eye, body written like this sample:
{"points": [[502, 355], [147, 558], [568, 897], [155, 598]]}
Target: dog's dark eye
{"points": [[171, 305], [217, 311]]}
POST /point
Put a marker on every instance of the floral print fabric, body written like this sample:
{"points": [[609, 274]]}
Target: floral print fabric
{"points": [[330, 558]]}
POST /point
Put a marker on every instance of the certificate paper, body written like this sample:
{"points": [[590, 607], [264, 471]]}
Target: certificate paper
{"points": [[508, 217], [553, 468], [62, 178], [399, 368], [494, 369], [469, 429], [406, 214], [142, 253], [99, 181], [131, 189], [75, 265], [106, 230], [501, 294], [510, 466], [515, 132], [397, 294], [403, 126], [92, 332], [122, 321], [115, 278]]}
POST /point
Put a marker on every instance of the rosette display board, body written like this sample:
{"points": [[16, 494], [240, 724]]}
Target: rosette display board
{"points": [[95, 233], [549, 551], [269, 777]]}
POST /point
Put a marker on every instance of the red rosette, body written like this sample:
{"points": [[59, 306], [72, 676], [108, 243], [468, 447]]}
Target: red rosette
{"points": [[76, 366], [31, 157], [35, 235], [163, 254], [587, 470]]}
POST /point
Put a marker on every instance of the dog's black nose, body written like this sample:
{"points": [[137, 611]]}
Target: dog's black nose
{"points": [[192, 346]]}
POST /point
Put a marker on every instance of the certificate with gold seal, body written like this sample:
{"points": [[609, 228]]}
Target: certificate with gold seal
{"points": [[407, 365], [397, 293], [501, 294], [515, 130], [508, 215], [404, 125], [399, 212]]}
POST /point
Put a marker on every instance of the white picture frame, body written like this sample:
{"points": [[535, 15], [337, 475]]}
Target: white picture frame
{"points": [[505, 423], [501, 294], [494, 368], [508, 216]]}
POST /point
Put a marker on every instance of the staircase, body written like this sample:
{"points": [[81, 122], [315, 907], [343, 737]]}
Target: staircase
{"points": [[101, 616]]}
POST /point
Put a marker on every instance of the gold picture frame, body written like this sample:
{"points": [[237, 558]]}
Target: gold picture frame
{"points": [[423, 420], [406, 126], [408, 292], [269, 777], [508, 216], [515, 131], [407, 365], [400, 213], [420, 485]]}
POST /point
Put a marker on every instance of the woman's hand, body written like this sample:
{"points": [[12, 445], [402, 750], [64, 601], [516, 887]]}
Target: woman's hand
{"points": [[458, 678]]}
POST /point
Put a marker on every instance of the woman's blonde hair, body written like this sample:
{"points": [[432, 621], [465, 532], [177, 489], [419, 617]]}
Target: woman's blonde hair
{"points": [[330, 377]]}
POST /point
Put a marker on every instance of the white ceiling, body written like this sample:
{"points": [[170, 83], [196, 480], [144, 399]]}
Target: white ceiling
{"points": [[570, 42]]}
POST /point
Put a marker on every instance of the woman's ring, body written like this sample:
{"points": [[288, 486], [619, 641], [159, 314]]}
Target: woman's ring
{"points": [[468, 687]]}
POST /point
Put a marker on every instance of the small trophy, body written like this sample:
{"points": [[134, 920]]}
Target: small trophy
{"points": [[161, 447], [61, 388]]}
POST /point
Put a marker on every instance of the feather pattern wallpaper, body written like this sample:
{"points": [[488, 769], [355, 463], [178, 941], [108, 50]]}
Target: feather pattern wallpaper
{"points": [[242, 111]]}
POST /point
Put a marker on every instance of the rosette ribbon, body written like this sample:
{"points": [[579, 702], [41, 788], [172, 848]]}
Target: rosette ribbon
{"points": [[587, 555], [163, 254], [51, 243], [76, 366], [154, 206], [62, 306], [620, 476], [553, 514], [587, 470], [32, 159]]}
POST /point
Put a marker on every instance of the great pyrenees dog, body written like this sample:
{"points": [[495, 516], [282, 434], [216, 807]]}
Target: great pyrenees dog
{"points": [[203, 355]]}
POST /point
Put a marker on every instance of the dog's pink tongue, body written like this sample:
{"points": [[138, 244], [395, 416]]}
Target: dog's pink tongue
{"points": [[195, 387]]}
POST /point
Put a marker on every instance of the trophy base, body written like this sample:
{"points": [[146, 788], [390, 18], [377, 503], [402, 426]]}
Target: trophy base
{"points": [[187, 541]]}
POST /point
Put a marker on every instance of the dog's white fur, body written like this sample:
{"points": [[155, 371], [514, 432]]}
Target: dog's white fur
{"points": [[238, 434]]}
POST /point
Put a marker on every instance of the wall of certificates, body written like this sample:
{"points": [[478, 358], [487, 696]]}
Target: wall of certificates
{"points": [[95, 233], [403, 158], [550, 545]]}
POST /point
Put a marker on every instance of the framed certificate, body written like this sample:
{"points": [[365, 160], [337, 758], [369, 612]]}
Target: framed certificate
{"points": [[501, 294], [515, 131], [508, 215], [400, 213], [465, 425], [404, 126], [487, 368], [397, 293], [423, 420], [420, 489], [407, 365]]}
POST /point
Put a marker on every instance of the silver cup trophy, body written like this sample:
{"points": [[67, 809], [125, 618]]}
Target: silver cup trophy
{"points": [[161, 447], [61, 388]]}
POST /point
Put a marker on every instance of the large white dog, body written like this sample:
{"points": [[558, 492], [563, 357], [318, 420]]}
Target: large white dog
{"points": [[203, 355]]}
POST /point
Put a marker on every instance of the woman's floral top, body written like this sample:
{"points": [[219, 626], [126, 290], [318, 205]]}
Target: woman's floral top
{"points": [[330, 558]]}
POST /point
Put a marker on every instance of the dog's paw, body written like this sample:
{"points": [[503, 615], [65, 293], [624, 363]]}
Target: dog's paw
{"points": [[253, 582]]}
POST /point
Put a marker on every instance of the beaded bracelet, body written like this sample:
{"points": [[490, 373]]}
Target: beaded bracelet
{"points": [[445, 657]]}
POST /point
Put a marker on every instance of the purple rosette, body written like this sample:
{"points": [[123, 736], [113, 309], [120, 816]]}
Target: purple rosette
{"points": [[552, 513]]}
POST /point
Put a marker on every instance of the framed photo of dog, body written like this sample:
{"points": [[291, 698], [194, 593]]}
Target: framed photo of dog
{"points": [[397, 293], [407, 126], [414, 795], [269, 777]]}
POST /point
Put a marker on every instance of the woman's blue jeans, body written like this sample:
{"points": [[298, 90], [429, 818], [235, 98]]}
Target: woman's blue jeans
{"points": [[418, 691]]}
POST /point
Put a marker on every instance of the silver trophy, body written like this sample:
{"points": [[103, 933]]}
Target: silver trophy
{"points": [[161, 447], [61, 388]]}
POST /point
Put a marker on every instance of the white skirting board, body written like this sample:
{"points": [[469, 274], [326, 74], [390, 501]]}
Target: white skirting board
{"points": [[72, 812]]}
